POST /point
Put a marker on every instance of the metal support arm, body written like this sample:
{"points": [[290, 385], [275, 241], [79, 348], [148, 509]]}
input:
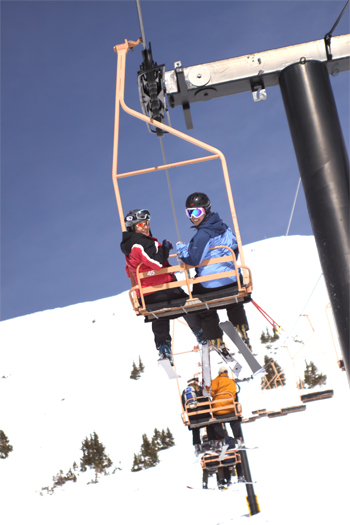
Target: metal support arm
{"points": [[250, 72]]}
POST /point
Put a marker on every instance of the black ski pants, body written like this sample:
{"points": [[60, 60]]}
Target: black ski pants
{"points": [[196, 440], [161, 327], [210, 319]]}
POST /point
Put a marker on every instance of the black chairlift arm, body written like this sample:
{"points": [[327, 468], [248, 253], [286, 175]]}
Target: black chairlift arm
{"points": [[151, 89]]}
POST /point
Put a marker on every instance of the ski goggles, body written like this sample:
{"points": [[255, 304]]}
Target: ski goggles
{"points": [[195, 212], [143, 214], [142, 224]]}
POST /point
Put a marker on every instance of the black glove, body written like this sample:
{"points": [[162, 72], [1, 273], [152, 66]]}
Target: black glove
{"points": [[167, 244]]}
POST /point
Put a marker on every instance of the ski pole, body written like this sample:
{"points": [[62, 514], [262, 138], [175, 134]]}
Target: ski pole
{"points": [[277, 328]]}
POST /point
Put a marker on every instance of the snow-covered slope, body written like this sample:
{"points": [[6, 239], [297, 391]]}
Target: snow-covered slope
{"points": [[65, 374]]}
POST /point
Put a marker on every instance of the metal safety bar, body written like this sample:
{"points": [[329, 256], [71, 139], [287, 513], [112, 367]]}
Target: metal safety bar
{"points": [[188, 281], [212, 461], [202, 408]]}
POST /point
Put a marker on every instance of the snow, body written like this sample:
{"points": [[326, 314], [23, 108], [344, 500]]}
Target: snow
{"points": [[64, 374]]}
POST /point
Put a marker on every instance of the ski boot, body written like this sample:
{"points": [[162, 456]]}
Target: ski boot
{"points": [[166, 353], [242, 330], [197, 450], [220, 345], [239, 444], [241, 479], [214, 446], [201, 340]]}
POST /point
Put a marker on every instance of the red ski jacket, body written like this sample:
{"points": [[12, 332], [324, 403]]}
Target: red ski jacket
{"points": [[139, 248]]}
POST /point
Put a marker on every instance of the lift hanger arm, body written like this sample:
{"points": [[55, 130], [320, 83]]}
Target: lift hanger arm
{"points": [[252, 72]]}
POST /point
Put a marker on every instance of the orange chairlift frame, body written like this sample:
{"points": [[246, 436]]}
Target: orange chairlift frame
{"points": [[193, 303], [212, 461], [203, 411]]}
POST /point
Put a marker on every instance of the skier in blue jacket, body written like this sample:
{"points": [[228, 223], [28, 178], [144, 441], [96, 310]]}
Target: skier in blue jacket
{"points": [[211, 231]]}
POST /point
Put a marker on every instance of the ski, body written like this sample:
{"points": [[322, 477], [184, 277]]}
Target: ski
{"points": [[166, 365], [206, 371], [243, 447], [199, 488], [223, 452], [231, 362], [230, 487], [232, 333], [243, 482]]}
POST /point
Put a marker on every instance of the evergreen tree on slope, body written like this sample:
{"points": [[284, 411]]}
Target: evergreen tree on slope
{"points": [[311, 377], [94, 455], [271, 373], [5, 447]]}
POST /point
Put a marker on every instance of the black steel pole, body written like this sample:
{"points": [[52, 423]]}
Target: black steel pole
{"points": [[324, 169], [251, 497]]}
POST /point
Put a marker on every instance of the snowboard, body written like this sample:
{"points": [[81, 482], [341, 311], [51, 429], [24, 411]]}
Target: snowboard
{"points": [[166, 365], [232, 333], [231, 362]]}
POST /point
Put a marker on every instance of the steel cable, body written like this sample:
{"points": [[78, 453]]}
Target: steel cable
{"points": [[143, 36]]}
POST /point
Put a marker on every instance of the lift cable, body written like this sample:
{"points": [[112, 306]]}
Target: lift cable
{"points": [[328, 36], [295, 200], [160, 135], [143, 37], [300, 315], [170, 191]]}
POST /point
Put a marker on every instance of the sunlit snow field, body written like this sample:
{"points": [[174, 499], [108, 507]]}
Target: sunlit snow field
{"points": [[64, 374]]}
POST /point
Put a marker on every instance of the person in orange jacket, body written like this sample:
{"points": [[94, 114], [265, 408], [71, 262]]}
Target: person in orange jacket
{"points": [[221, 384]]}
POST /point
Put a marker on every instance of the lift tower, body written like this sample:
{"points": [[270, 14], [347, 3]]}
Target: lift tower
{"points": [[302, 72]]}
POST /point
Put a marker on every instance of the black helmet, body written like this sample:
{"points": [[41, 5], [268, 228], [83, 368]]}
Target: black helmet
{"points": [[199, 200], [134, 217]]}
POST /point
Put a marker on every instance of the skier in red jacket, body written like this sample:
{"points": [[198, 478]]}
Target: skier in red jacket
{"points": [[139, 246]]}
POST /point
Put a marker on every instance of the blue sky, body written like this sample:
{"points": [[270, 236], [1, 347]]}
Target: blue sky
{"points": [[60, 230]]}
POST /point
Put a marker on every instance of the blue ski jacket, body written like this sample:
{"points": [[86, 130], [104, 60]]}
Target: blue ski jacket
{"points": [[210, 233]]}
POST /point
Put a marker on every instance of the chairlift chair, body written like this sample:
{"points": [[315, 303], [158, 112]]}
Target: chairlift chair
{"points": [[243, 289], [212, 461], [202, 411]]}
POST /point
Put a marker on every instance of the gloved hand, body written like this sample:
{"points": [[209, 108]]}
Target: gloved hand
{"points": [[167, 244]]}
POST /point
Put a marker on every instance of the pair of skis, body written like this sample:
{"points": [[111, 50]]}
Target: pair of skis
{"points": [[233, 364], [242, 483]]}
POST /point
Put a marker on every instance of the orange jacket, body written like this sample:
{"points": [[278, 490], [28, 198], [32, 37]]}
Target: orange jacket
{"points": [[220, 384]]}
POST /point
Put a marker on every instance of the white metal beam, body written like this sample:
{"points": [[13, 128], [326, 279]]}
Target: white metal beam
{"points": [[250, 72]]}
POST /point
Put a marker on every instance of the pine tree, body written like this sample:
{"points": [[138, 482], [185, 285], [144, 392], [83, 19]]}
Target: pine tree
{"points": [[266, 338], [149, 453], [94, 455], [59, 479], [135, 372], [137, 465], [311, 377], [141, 366], [5, 447], [169, 439], [156, 439], [163, 440], [271, 367]]}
